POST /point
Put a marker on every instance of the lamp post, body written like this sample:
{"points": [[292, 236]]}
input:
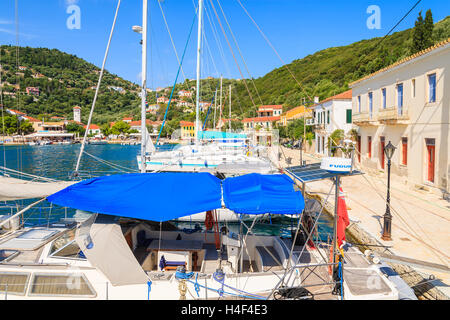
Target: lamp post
{"points": [[300, 145], [389, 152]]}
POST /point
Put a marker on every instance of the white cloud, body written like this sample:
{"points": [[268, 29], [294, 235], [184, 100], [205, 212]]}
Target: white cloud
{"points": [[12, 32], [3, 21]]}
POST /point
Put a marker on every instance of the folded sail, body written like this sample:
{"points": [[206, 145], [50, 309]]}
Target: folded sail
{"points": [[149, 147], [16, 189]]}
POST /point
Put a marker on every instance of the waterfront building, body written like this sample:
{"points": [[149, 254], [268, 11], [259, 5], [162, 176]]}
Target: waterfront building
{"points": [[259, 123], [187, 130], [93, 129], [407, 103], [333, 113]]}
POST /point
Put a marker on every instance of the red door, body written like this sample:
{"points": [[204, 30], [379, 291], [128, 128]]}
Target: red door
{"points": [[430, 159], [382, 152]]}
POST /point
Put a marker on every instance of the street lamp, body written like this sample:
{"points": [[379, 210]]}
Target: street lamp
{"points": [[389, 152]]}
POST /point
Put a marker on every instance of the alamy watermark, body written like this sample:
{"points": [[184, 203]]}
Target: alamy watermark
{"points": [[74, 20], [374, 20]]}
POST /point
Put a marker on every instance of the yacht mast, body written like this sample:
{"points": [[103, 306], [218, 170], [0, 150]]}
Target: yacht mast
{"points": [[229, 117], [144, 86], [220, 108], [199, 48]]}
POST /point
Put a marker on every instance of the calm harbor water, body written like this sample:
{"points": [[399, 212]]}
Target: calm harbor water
{"points": [[59, 161]]}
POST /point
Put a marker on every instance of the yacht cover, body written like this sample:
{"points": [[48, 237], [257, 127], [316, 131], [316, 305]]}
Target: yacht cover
{"points": [[258, 194], [148, 196], [110, 253], [16, 189], [167, 196]]}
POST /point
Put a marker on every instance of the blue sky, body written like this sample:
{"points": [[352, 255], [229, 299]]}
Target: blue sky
{"points": [[296, 28]]}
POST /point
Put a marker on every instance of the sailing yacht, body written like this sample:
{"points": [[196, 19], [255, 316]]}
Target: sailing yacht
{"points": [[127, 250], [219, 152]]}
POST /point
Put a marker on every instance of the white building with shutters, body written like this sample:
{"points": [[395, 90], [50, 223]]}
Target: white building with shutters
{"points": [[333, 113], [407, 103]]}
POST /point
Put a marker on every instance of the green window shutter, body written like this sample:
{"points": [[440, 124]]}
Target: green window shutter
{"points": [[349, 116]]}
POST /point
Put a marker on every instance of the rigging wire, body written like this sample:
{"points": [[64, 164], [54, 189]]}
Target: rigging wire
{"points": [[273, 48], [393, 28], [234, 56], [97, 89], [176, 78], [239, 50], [19, 149], [173, 44]]}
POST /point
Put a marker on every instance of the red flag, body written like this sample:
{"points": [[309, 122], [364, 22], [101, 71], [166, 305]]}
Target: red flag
{"points": [[343, 220]]}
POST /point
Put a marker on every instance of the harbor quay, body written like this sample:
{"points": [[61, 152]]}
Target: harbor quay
{"points": [[420, 221]]}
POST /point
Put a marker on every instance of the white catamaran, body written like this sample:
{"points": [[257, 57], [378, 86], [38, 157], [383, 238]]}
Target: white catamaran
{"points": [[125, 249]]}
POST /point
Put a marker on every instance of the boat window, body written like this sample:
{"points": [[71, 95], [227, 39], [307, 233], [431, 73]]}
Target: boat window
{"points": [[37, 234], [70, 251], [74, 284], [13, 283], [62, 241]]}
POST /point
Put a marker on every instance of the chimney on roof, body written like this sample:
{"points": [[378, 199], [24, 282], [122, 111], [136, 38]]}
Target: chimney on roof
{"points": [[316, 99]]}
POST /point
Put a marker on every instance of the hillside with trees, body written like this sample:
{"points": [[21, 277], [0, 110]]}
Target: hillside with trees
{"points": [[65, 80]]}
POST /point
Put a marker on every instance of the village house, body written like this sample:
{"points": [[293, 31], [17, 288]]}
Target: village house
{"points": [[153, 108], [266, 116], [259, 123], [203, 106], [270, 111], [93, 129], [38, 75], [136, 125], [185, 104], [118, 89], [32, 91], [407, 104], [333, 113], [185, 94], [293, 114], [162, 100]]}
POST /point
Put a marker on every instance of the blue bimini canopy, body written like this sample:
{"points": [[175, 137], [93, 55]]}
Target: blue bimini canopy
{"points": [[148, 196], [167, 196], [258, 194]]}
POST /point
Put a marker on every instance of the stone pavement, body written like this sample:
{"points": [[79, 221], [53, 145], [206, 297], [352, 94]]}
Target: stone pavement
{"points": [[420, 219]]}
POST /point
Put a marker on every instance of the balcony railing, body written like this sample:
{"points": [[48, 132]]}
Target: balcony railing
{"points": [[361, 117], [393, 114]]}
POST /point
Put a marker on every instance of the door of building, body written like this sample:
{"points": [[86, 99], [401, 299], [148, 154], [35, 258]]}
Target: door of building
{"points": [[431, 159], [382, 152]]}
